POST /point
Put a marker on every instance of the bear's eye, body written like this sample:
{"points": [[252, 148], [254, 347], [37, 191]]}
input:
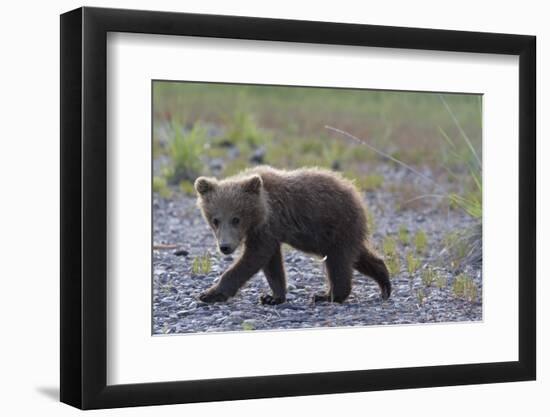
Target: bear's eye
{"points": [[215, 222], [235, 221]]}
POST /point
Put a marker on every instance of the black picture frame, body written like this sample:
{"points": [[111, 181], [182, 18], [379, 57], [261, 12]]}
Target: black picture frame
{"points": [[84, 207]]}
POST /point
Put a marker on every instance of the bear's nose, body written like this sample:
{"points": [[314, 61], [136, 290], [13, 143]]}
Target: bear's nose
{"points": [[226, 249]]}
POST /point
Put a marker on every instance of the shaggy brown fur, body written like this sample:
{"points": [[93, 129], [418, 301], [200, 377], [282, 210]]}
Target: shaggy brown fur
{"points": [[314, 210]]}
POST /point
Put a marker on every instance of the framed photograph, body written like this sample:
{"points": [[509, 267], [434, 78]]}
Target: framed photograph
{"points": [[258, 208]]}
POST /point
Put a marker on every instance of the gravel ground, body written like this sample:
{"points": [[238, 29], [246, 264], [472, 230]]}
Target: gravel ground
{"points": [[175, 287]]}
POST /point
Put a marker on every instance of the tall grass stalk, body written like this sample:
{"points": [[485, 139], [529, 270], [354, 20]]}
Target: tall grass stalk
{"points": [[470, 201]]}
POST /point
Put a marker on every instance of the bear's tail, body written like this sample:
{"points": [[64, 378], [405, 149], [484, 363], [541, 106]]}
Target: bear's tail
{"points": [[371, 264]]}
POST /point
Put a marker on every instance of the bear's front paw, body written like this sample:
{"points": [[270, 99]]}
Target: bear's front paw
{"points": [[270, 300], [325, 297], [212, 296]]}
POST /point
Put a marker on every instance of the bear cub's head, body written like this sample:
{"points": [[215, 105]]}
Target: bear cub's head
{"points": [[233, 207]]}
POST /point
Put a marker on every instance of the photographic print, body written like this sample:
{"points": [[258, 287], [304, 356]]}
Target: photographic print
{"points": [[282, 207], [303, 191]]}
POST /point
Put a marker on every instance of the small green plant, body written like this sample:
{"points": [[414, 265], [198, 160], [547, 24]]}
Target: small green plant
{"points": [[185, 151], [413, 264], [465, 287], [393, 264], [454, 240], [464, 248], [421, 296], [389, 246], [457, 247], [403, 234], [247, 325], [440, 281], [243, 129], [201, 264], [470, 203], [420, 241], [429, 276], [161, 187]]}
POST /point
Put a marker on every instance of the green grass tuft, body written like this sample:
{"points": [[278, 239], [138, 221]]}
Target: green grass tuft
{"points": [[389, 246], [429, 276], [393, 264], [185, 150], [201, 264], [403, 234], [243, 129], [456, 247], [465, 287], [413, 263], [161, 187], [421, 296], [248, 326], [420, 242]]}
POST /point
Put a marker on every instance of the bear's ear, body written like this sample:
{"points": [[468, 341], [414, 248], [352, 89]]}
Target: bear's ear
{"points": [[253, 184], [205, 185]]}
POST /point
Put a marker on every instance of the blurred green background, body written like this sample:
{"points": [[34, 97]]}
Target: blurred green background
{"points": [[220, 129]]}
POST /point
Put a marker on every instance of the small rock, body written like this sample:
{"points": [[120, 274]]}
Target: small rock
{"points": [[233, 152], [216, 164], [181, 252], [258, 155], [226, 143]]}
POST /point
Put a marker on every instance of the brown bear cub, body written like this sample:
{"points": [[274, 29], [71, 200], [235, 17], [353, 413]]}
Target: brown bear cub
{"points": [[314, 210]]}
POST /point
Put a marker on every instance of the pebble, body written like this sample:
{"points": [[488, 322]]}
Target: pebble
{"points": [[258, 155]]}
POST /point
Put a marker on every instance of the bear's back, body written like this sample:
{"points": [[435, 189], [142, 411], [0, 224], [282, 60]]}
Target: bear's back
{"points": [[313, 208]]}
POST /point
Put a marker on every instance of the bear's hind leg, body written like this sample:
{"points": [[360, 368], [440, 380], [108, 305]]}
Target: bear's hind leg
{"points": [[372, 265], [275, 274], [340, 272]]}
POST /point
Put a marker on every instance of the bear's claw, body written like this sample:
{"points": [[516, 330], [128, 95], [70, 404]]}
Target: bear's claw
{"points": [[385, 292], [270, 300], [212, 297]]}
